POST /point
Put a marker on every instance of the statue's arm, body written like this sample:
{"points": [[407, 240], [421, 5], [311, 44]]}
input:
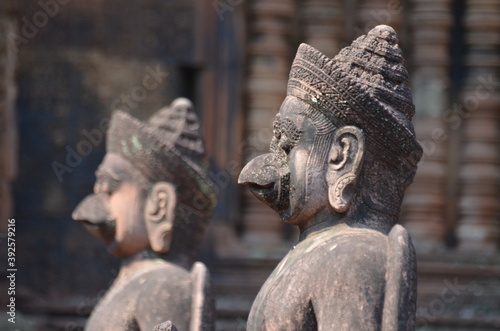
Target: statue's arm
{"points": [[401, 287], [164, 297], [350, 291], [203, 305]]}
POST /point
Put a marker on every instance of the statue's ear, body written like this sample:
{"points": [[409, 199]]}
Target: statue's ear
{"points": [[344, 164], [159, 214]]}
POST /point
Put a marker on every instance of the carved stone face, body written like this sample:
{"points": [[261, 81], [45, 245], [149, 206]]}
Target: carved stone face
{"points": [[115, 212], [285, 178]]}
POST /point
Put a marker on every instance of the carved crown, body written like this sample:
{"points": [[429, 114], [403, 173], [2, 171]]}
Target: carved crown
{"points": [[364, 85], [168, 147]]}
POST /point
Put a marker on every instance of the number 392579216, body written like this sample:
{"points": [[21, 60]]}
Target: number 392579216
{"points": [[11, 243]]}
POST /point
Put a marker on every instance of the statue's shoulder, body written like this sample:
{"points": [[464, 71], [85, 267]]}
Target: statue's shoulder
{"points": [[161, 275], [170, 280], [354, 242], [340, 252], [360, 246], [383, 264], [343, 267], [363, 245]]}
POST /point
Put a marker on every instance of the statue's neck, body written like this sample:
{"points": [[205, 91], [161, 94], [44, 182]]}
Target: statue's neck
{"points": [[320, 221], [361, 216], [366, 217], [133, 262]]}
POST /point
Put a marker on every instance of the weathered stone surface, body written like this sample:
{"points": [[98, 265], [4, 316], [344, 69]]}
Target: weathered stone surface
{"points": [[150, 206], [343, 152], [166, 326]]}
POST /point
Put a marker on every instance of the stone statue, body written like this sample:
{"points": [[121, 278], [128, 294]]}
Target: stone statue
{"points": [[166, 326], [343, 152], [151, 202]]}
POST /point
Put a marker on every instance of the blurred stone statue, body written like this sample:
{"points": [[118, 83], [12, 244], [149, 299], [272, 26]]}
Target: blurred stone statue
{"points": [[343, 152], [166, 326], [151, 202]]}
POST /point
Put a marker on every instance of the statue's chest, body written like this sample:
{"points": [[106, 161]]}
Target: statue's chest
{"points": [[284, 302], [114, 312]]}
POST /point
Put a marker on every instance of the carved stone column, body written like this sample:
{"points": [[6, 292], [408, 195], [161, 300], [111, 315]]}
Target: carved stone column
{"points": [[478, 228], [8, 125], [269, 58], [322, 22], [424, 212]]}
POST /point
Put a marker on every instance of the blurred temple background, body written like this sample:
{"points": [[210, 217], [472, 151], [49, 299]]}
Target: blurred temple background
{"points": [[65, 65]]}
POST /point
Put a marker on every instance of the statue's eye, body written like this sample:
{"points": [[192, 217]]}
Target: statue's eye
{"points": [[106, 185], [105, 188], [287, 148], [113, 185], [286, 145]]}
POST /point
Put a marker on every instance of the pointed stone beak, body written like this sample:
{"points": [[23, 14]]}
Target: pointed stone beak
{"points": [[93, 212], [260, 171], [261, 175]]}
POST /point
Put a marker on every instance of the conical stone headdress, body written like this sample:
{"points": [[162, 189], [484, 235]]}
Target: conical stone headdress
{"points": [[365, 85], [168, 147]]}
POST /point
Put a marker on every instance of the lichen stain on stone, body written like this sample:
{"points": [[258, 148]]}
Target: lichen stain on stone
{"points": [[136, 143]]}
